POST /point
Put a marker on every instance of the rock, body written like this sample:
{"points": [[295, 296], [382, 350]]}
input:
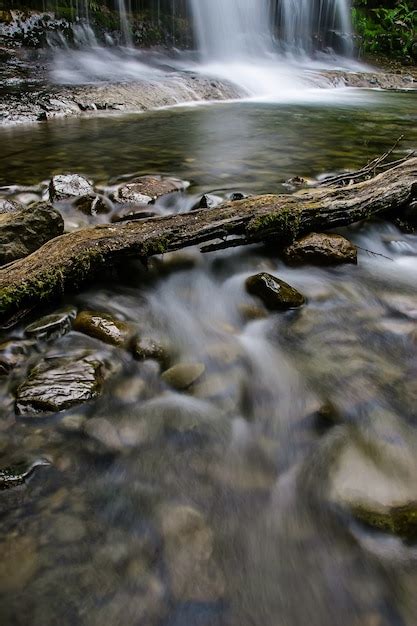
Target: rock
{"points": [[321, 249], [104, 327], [146, 348], [93, 204], [24, 231], [237, 195], [274, 293], [19, 563], [136, 213], [58, 383], [251, 312], [72, 423], [103, 432], [146, 189], [13, 353], [208, 201], [178, 261], [183, 375], [376, 482], [66, 186], [8, 206], [53, 325], [188, 550], [15, 475], [67, 528]]}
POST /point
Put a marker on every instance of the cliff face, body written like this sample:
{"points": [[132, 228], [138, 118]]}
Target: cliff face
{"points": [[37, 23]]}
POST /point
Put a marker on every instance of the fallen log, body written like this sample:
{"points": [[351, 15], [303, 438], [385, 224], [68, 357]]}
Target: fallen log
{"points": [[68, 260]]}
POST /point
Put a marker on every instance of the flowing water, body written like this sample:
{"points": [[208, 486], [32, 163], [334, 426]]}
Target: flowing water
{"points": [[215, 505]]}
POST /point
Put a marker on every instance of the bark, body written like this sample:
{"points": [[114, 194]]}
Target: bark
{"points": [[67, 261]]}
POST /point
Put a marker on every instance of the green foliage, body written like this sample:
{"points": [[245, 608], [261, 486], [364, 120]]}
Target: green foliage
{"points": [[387, 30]]}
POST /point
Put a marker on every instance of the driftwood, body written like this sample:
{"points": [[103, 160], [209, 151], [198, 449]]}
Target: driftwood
{"points": [[67, 261]]}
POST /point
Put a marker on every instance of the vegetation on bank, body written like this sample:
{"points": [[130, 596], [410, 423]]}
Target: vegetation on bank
{"points": [[386, 28]]}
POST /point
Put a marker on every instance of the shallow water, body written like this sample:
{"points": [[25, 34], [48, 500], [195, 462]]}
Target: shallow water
{"points": [[223, 513]]}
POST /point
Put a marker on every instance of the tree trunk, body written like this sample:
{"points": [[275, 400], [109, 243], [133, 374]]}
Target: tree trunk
{"points": [[67, 261]]}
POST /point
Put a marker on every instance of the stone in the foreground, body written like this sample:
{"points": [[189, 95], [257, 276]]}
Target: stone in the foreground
{"points": [[59, 383], [104, 327], [276, 294], [376, 482], [23, 232], [321, 249], [145, 189], [66, 186]]}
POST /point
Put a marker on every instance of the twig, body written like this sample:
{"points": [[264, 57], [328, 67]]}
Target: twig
{"points": [[374, 253]]}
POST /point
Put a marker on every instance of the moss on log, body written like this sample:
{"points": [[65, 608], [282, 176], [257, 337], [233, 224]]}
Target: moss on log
{"points": [[67, 261]]}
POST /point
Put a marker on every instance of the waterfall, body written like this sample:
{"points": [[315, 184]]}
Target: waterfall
{"points": [[236, 29]]}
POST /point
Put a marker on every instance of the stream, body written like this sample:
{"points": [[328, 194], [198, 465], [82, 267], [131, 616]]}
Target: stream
{"points": [[215, 505]]}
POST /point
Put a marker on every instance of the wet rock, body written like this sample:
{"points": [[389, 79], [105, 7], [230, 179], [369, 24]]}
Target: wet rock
{"points": [[376, 482], [13, 353], [188, 550], [146, 189], [104, 432], [274, 293], [93, 204], [208, 201], [15, 475], [66, 186], [237, 195], [24, 231], [174, 262], [146, 348], [72, 423], [136, 213], [321, 249], [58, 383], [252, 312], [53, 325], [8, 206], [18, 564], [67, 528], [104, 327], [182, 375]]}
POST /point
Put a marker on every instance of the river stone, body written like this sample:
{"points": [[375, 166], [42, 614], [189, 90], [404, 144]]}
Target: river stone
{"points": [[103, 432], [146, 189], [53, 325], [93, 204], [14, 475], [24, 231], [13, 353], [18, 564], [274, 293], [321, 249], [376, 482], [8, 206], [183, 375], [66, 186], [146, 348], [188, 551], [104, 327], [58, 383], [67, 528], [137, 213]]}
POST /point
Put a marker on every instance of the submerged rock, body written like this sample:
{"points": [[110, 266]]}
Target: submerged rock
{"points": [[66, 186], [274, 293], [18, 564], [59, 383], [188, 550], [24, 231], [183, 375], [53, 325], [321, 249], [376, 482], [13, 353], [15, 475], [146, 189], [104, 327]]}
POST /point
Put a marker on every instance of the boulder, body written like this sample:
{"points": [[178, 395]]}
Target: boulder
{"points": [[104, 327], [24, 231], [53, 325], [67, 186], [58, 383], [274, 293], [183, 375], [321, 249], [146, 189], [376, 482], [188, 551]]}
